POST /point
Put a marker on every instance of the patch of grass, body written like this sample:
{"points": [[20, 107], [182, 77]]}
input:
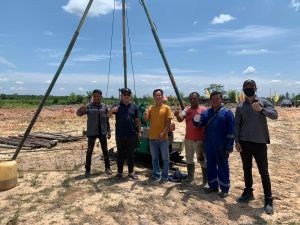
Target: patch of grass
{"points": [[14, 220], [47, 191], [20, 172], [34, 181], [66, 182]]}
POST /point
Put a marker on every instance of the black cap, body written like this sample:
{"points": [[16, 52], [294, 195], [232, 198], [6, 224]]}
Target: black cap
{"points": [[125, 90], [97, 91], [251, 82]]}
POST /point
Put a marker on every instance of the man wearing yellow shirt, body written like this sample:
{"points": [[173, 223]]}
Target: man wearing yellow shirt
{"points": [[160, 116]]}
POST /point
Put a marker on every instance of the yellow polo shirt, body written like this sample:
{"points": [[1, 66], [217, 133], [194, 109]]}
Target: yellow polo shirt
{"points": [[158, 116]]}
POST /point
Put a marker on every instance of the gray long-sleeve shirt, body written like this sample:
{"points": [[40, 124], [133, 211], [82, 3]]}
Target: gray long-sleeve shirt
{"points": [[251, 125], [97, 119]]}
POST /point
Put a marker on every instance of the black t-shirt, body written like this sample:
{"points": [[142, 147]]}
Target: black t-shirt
{"points": [[125, 119]]}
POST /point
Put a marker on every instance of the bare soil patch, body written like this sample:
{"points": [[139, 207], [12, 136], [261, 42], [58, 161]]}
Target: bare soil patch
{"points": [[52, 189]]}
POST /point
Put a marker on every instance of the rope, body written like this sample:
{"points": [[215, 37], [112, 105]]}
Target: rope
{"points": [[110, 51], [131, 61]]}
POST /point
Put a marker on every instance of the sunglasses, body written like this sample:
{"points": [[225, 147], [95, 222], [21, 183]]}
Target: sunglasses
{"points": [[126, 94]]}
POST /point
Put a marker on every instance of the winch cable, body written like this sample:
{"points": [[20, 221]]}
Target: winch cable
{"points": [[110, 51], [131, 61]]}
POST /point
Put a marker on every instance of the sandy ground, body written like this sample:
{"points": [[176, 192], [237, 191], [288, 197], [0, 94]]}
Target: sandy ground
{"points": [[52, 189]]}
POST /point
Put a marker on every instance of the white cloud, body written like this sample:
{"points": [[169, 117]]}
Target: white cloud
{"points": [[48, 81], [89, 58], [249, 70], [19, 82], [99, 7], [249, 52], [16, 88], [80, 89], [295, 4], [195, 22], [145, 82], [5, 62], [222, 18], [191, 50], [3, 79], [248, 33], [164, 82], [93, 81], [276, 81], [138, 53], [48, 33], [50, 53]]}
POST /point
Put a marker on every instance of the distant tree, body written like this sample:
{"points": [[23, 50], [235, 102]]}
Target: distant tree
{"points": [[232, 95], [287, 95], [55, 100], [216, 87], [74, 99]]}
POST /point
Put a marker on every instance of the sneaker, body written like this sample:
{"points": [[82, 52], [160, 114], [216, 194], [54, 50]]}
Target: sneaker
{"points": [[223, 194], [133, 176], [87, 174], [118, 176], [108, 171], [163, 180], [153, 180], [211, 190], [268, 208], [246, 196]]}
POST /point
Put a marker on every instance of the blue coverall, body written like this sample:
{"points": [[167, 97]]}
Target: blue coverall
{"points": [[219, 138]]}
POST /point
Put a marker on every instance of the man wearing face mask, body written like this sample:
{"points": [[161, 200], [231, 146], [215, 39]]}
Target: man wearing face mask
{"points": [[251, 138]]}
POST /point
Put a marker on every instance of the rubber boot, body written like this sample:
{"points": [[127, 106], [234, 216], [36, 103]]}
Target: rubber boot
{"points": [[204, 177], [191, 173]]}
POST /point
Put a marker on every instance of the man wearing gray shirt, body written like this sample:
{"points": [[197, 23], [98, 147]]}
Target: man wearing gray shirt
{"points": [[251, 138]]}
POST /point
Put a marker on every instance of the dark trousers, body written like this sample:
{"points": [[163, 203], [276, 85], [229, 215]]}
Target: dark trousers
{"points": [[125, 149], [259, 152], [91, 144]]}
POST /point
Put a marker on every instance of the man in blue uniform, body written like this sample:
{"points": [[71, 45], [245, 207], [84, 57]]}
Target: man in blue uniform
{"points": [[218, 143]]}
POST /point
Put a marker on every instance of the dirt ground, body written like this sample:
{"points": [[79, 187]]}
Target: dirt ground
{"points": [[52, 189]]}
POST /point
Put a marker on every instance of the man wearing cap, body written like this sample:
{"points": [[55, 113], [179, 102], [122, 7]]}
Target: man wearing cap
{"points": [[160, 116], [194, 137], [128, 128], [97, 127], [252, 137]]}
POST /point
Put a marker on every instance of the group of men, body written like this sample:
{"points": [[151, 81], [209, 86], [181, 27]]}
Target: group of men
{"points": [[210, 133]]}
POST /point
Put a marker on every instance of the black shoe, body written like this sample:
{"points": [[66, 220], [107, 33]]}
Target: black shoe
{"points": [[223, 194], [268, 208], [87, 174], [246, 196], [211, 190], [153, 180], [133, 176], [163, 180], [108, 171], [118, 176]]}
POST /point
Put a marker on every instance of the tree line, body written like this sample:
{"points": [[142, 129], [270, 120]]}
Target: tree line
{"points": [[16, 100]]}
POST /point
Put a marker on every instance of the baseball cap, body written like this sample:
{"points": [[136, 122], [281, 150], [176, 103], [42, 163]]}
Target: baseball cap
{"points": [[249, 81], [125, 90]]}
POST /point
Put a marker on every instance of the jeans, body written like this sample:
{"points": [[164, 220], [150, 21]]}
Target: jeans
{"points": [[259, 152], [156, 147], [91, 144], [125, 149]]}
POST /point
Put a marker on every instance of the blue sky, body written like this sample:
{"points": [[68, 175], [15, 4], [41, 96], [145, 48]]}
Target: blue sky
{"points": [[205, 41]]}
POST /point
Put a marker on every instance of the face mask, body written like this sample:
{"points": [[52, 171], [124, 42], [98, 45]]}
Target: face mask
{"points": [[249, 92]]}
